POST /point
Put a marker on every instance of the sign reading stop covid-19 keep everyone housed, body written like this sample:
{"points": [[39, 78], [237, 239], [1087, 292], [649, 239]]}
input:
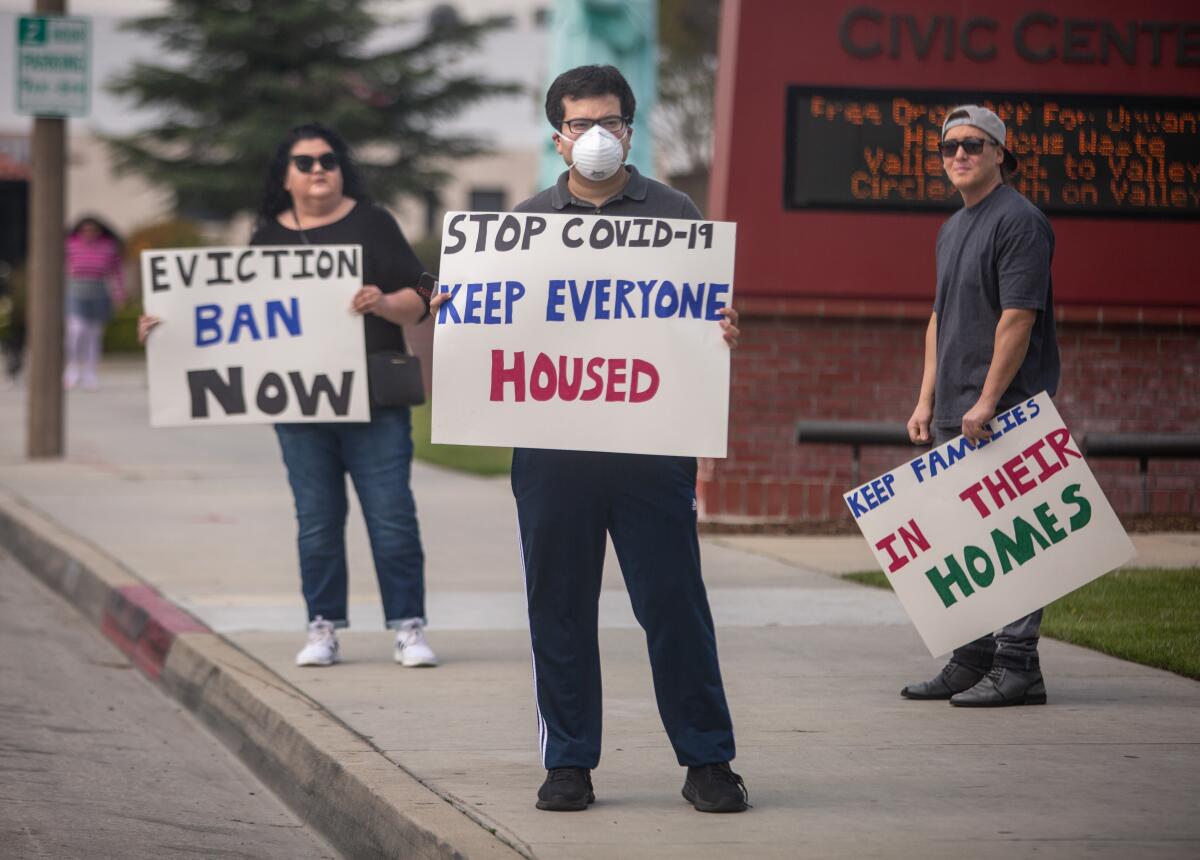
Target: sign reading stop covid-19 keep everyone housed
{"points": [[975, 536], [54, 65], [583, 333], [255, 335]]}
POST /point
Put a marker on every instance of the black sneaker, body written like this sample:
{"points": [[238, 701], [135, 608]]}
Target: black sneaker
{"points": [[715, 788], [566, 789]]}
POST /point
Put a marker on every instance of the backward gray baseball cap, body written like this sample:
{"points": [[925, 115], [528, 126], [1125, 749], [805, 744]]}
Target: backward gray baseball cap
{"points": [[986, 121]]}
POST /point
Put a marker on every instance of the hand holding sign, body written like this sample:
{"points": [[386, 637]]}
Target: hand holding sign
{"points": [[145, 325], [729, 326], [367, 300], [974, 422]]}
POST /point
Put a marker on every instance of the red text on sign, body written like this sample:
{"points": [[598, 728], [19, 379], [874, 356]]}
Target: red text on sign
{"points": [[1022, 473], [572, 378]]}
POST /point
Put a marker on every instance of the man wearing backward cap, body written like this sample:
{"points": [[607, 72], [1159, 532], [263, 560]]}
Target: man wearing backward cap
{"points": [[990, 345]]}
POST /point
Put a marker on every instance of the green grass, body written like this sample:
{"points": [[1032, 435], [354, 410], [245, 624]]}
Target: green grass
{"points": [[873, 578], [1147, 615], [466, 458]]}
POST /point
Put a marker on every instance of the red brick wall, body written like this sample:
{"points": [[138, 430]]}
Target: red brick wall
{"points": [[838, 362]]}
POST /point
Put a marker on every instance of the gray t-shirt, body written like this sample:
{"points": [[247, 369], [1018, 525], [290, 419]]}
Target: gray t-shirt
{"points": [[992, 256]]}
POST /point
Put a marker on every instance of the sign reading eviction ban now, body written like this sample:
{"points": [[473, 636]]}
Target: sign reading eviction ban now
{"points": [[973, 537], [255, 335], [583, 333]]}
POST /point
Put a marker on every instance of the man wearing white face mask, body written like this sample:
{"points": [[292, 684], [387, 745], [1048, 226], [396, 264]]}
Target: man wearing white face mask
{"points": [[567, 501]]}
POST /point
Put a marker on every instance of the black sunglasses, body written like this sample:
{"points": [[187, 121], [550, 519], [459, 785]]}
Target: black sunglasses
{"points": [[970, 145], [304, 163]]}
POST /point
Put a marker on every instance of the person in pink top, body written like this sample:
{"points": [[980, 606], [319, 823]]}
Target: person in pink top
{"points": [[95, 286]]}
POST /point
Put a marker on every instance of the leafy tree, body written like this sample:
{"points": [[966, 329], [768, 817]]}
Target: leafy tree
{"points": [[687, 32], [242, 72]]}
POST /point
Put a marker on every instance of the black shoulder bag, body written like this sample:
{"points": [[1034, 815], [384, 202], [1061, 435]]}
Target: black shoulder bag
{"points": [[395, 377]]}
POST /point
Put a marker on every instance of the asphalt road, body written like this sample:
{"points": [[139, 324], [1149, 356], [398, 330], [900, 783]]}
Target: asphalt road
{"points": [[97, 763]]}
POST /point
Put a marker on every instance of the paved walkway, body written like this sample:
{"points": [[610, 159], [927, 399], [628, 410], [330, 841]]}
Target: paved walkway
{"points": [[837, 763]]}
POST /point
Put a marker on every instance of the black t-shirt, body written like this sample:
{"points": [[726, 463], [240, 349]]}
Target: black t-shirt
{"points": [[992, 256], [388, 261]]}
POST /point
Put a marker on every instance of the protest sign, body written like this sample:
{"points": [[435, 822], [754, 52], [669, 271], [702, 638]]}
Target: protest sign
{"points": [[973, 537], [583, 333], [255, 335]]}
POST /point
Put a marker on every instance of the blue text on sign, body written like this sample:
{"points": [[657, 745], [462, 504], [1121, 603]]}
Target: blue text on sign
{"points": [[872, 495]]}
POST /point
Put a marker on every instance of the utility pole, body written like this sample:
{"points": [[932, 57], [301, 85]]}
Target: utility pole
{"points": [[44, 437]]}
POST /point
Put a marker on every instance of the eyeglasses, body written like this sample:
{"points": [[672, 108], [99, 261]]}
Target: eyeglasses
{"points": [[304, 163], [970, 145], [611, 124]]}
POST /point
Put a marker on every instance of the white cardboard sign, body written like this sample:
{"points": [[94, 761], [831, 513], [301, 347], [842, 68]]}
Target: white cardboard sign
{"points": [[975, 537], [583, 333], [255, 335]]}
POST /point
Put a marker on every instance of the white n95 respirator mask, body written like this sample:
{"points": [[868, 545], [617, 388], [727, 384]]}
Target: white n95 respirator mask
{"points": [[598, 154]]}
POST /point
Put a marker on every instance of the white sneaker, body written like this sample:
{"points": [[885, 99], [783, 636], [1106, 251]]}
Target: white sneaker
{"points": [[322, 647], [412, 649]]}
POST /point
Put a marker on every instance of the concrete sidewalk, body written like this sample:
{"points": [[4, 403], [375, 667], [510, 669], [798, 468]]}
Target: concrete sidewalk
{"points": [[442, 762]]}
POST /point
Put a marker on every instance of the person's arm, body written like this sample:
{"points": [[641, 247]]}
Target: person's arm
{"points": [[403, 307], [1024, 250], [922, 417], [1012, 342], [400, 304]]}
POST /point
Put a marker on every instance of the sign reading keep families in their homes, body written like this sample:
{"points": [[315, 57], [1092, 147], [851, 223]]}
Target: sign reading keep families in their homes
{"points": [[255, 335], [54, 66], [583, 333], [973, 537]]}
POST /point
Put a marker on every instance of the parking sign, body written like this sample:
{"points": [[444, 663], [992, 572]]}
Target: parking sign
{"points": [[53, 66]]}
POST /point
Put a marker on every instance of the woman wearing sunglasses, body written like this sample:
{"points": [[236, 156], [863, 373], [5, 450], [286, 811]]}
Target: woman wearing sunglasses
{"points": [[314, 196]]}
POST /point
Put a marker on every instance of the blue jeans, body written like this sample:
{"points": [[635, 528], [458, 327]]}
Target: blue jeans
{"points": [[378, 456]]}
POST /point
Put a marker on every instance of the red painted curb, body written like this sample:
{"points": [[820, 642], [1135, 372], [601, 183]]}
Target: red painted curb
{"points": [[144, 624]]}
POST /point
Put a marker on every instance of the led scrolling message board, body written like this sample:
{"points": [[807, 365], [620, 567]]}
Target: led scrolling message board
{"points": [[1127, 156]]}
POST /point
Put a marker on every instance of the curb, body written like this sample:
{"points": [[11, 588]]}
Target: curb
{"points": [[362, 802]]}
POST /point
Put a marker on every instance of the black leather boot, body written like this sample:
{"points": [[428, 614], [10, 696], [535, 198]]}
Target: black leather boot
{"points": [[954, 678], [1002, 687]]}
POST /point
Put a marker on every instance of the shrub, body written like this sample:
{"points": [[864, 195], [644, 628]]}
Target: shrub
{"points": [[121, 333]]}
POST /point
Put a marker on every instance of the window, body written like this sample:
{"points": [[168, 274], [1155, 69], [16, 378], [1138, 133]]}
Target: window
{"points": [[487, 200]]}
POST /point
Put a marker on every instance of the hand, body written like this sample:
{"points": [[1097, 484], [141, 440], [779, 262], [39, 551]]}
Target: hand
{"points": [[918, 424], [729, 326], [145, 324], [975, 419], [367, 300], [437, 301]]}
